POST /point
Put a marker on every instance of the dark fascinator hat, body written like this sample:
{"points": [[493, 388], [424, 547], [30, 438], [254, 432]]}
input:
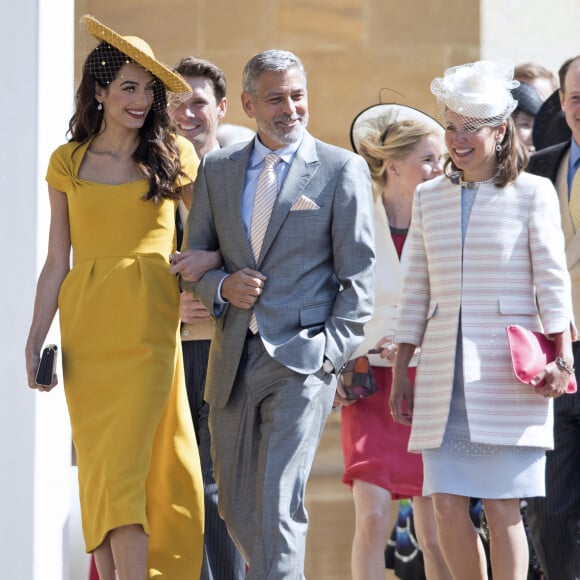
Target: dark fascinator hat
{"points": [[550, 126], [394, 113], [529, 100]]}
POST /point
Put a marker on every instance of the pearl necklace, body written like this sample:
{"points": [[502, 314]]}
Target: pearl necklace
{"points": [[475, 184]]}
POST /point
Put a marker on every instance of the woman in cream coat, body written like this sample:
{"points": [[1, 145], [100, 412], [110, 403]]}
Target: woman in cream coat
{"points": [[403, 147], [486, 251]]}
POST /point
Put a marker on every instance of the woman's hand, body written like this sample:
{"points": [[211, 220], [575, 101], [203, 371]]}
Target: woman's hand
{"points": [[32, 360], [401, 401], [386, 348], [553, 381], [193, 264]]}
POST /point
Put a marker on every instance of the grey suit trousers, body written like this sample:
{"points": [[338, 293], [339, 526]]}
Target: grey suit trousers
{"points": [[554, 520], [263, 446], [221, 559]]}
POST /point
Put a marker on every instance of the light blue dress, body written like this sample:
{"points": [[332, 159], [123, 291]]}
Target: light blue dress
{"points": [[461, 467]]}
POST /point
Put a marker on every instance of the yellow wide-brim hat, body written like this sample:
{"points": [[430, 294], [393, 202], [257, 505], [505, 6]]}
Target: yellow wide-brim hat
{"points": [[138, 51]]}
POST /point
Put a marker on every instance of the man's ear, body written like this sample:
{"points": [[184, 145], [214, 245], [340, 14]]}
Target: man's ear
{"points": [[222, 108], [247, 105]]}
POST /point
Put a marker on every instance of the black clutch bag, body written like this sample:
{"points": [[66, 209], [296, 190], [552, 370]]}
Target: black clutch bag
{"points": [[358, 379], [47, 366]]}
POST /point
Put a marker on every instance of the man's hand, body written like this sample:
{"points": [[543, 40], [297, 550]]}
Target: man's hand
{"points": [[193, 264], [340, 399], [243, 288], [192, 311]]}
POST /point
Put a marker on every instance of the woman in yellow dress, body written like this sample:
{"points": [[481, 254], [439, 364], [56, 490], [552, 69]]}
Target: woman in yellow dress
{"points": [[113, 193]]}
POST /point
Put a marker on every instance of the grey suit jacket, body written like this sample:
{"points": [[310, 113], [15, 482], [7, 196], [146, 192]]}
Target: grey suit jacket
{"points": [[319, 263]]}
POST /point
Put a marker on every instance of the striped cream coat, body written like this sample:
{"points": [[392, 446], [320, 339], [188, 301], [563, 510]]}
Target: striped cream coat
{"points": [[513, 271]]}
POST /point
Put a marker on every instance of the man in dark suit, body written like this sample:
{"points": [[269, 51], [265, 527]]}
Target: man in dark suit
{"points": [[554, 520], [290, 309]]}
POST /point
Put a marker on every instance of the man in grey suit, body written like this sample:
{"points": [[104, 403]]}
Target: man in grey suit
{"points": [[555, 519], [287, 319]]}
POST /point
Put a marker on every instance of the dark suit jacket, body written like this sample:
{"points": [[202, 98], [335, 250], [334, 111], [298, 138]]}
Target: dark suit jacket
{"points": [[317, 255], [546, 162]]}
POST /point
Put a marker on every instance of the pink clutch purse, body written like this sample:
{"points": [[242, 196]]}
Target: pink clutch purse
{"points": [[531, 352]]}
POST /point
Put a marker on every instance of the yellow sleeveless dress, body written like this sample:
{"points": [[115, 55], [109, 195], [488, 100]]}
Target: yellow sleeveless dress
{"points": [[123, 375]]}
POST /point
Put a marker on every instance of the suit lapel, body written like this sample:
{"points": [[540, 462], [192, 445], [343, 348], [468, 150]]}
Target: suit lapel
{"points": [[232, 206], [561, 184], [302, 169]]}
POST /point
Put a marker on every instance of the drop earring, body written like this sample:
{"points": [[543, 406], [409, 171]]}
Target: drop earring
{"points": [[100, 106], [498, 146]]}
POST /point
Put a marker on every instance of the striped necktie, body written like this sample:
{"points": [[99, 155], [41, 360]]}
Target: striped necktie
{"points": [[266, 193]]}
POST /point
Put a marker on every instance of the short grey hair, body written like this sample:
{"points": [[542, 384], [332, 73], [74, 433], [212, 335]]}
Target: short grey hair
{"points": [[269, 60]]}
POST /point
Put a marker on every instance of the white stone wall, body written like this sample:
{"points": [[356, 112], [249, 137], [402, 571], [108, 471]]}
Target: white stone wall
{"points": [[542, 31], [35, 449]]}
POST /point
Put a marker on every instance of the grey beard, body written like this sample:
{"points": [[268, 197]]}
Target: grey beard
{"points": [[287, 137]]}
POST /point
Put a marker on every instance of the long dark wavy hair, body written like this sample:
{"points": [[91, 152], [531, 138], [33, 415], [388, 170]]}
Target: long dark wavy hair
{"points": [[511, 159], [157, 154]]}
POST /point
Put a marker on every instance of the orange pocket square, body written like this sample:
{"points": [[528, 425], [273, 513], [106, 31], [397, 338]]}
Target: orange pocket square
{"points": [[304, 202]]}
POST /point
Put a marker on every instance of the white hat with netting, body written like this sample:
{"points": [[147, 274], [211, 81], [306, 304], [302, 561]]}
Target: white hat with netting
{"points": [[479, 91]]}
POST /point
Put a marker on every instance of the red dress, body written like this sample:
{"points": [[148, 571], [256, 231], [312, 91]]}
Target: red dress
{"points": [[93, 574], [374, 447]]}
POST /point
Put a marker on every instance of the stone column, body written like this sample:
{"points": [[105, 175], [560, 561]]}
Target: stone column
{"points": [[35, 100]]}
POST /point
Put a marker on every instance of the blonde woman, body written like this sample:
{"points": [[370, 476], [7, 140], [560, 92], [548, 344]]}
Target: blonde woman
{"points": [[402, 147]]}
